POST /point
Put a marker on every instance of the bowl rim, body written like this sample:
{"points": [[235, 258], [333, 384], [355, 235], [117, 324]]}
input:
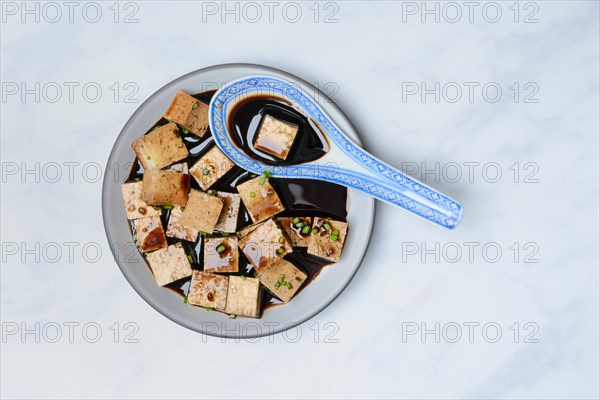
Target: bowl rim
{"points": [[105, 183]]}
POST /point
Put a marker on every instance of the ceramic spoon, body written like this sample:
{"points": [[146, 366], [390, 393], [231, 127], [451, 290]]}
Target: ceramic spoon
{"points": [[345, 163]]}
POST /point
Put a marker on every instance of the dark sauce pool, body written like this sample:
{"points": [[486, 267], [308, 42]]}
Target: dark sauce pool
{"points": [[244, 124], [301, 197]]}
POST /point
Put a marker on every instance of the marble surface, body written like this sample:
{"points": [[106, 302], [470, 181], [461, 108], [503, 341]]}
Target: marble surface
{"points": [[506, 306]]}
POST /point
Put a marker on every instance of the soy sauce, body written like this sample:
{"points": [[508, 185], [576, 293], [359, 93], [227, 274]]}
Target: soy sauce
{"points": [[301, 197], [245, 120]]}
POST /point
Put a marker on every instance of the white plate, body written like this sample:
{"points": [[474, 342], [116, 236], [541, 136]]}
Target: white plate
{"points": [[310, 301]]}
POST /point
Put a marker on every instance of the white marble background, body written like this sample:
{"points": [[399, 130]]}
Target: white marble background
{"points": [[372, 52]]}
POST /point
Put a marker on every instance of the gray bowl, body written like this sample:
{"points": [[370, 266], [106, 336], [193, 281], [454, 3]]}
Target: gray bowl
{"points": [[309, 302]]}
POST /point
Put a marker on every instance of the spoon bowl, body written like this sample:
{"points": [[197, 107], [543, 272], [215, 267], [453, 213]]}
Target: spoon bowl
{"points": [[345, 163]]}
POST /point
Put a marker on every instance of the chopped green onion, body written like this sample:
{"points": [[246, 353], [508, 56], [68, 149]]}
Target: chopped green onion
{"points": [[185, 299], [299, 224], [208, 308], [191, 260], [135, 236], [296, 220], [252, 194], [327, 226], [182, 209], [212, 192], [267, 174], [137, 179], [335, 232], [314, 231], [195, 105], [157, 127], [224, 234], [205, 171], [262, 180], [184, 131], [148, 158], [168, 207], [333, 237], [280, 250], [203, 233], [232, 316], [220, 249], [281, 240], [305, 229], [243, 277], [281, 282]]}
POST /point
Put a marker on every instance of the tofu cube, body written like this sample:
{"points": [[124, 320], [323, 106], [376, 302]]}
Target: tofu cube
{"points": [[221, 254], [328, 241], [208, 290], [188, 113], [175, 229], [150, 233], [282, 278], [275, 137], [260, 198], [265, 245], [202, 211], [160, 147], [297, 229], [246, 230], [169, 264], [243, 296], [228, 218], [135, 207], [165, 188], [211, 167]]}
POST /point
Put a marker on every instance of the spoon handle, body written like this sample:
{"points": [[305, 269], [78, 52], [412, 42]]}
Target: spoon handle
{"points": [[400, 190]]}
